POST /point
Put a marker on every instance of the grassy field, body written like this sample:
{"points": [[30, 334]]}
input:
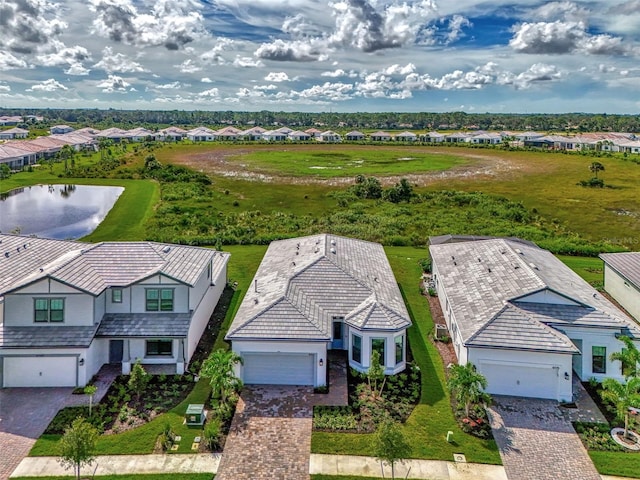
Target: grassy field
{"points": [[622, 464], [590, 269]]}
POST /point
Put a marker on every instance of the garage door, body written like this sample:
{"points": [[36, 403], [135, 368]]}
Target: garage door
{"points": [[39, 371], [521, 380], [279, 368]]}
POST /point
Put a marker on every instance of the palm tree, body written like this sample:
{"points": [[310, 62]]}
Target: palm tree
{"points": [[467, 385], [629, 357], [622, 396], [219, 368], [596, 167]]}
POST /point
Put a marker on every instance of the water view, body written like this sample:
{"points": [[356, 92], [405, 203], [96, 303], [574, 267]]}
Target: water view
{"points": [[56, 211]]}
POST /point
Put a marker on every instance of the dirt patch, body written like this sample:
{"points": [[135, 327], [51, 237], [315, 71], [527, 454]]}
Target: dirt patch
{"points": [[218, 162]]}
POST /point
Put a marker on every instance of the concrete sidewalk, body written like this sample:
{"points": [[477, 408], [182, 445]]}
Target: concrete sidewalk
{"points": [[318, 464]]}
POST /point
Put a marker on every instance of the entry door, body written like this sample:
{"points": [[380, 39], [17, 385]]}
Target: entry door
{"points": [[576, 361], [116, 347], [338, 334]]}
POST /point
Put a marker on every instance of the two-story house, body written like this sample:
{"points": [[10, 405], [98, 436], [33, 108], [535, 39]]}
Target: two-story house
{"points": [[67, 308]]}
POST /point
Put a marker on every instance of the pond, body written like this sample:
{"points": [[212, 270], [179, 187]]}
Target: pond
{"points": [[56, 211]]}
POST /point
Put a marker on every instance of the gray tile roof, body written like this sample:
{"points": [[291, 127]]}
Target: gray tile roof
{"points": [[481, 277], [169, 325], [94, 267], [46, 336], [303, 282], [626, 264]]}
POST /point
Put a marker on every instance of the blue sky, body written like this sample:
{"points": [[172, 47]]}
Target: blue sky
{"points": [[315, 55]]}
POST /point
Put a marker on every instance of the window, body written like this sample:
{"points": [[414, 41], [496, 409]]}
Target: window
{"points": [[599, 359], [356, 348], [377, 345], [159, 348], [49, 310], [399, 349], [116, 295], [159, 299]]}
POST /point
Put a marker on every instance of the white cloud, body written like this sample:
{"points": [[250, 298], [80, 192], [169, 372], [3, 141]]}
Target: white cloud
{"points": [[456, 24], [29, 26], [212, 92], [188, 66], [5, 88], [247, 62], [77, 69], [277, 77], [293, 51], [9, 61], [117, 62], [169, 86], [50, 85], [114, 83], [170, 23], [65, 56], [206, 80]]}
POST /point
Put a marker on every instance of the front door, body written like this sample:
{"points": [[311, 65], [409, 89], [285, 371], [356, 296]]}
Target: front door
{"points": [[116, 348], [338, 334]]}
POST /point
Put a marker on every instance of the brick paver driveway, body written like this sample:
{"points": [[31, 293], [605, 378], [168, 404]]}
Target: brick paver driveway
{"points": [[24, 415], [270, 435], [536, 442]]}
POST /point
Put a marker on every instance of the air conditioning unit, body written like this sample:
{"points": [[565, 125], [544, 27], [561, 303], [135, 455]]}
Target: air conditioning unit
{"points": [[441, 330]]}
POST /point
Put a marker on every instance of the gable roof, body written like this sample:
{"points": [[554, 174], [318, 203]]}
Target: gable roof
{"points": [[95, 267], [483, 277], [302, 283], [626, 264]]}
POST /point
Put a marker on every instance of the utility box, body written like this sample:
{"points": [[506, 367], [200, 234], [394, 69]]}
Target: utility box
{"points": [[196, 414]]}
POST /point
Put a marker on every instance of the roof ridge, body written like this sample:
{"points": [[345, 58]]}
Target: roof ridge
{"points": [[485, 325], [548, 328]]}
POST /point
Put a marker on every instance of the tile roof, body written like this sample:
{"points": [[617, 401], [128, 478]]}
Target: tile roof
{"points": [[170, 325], [303, 282], [626, 264], [49, 336], [94, 267], [482, 277]]}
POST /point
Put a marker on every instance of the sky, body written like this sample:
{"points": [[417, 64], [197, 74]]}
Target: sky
{"points": [[518, 56]]}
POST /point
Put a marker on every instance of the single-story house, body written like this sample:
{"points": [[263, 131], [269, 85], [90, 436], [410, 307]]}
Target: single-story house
{"points": [[432, 137], [329, 137], [172, 134], [314, 132], [406, 137], [380, 137], [10, 120], [299, 136], [525, 319], [228, 134], [274, 136], [355, 136], [16, 157], [201, 134], [67, 308], [314, 294], [114, 134], [457, 137], [60, 129], [13, 133], [622, 279], [252, 134]]}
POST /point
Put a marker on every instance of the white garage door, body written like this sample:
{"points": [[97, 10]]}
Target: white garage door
{"points": [[521, 380], [279, 368], [39, 371]]}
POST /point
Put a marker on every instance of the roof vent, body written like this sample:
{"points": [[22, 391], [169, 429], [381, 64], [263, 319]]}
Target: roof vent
{"points": [[255, 300], [452, 257], [293, 264], [6, 254], [166, 249], [41, 269], [333, 250], [479, 260], [519, 251], [25, 245], [533, 265], [333, 242]]}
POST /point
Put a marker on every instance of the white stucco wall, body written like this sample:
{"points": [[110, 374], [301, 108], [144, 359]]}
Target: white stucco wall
{"points": [[124, 306], [450, 320], [390, 350], [319, 349], [520, 364], [180, 295], [137, 350], [626, 293]]}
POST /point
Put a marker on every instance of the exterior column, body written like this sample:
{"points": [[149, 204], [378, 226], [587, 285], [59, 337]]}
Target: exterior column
{"points": [[126, 358], [180, 360]]}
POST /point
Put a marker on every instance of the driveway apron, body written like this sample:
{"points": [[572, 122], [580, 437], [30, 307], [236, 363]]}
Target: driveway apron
{"points": [[270, 436], [538, 442], [24, 415]]}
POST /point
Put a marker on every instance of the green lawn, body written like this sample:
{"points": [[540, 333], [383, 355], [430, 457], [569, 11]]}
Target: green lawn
{"points": [[427, 427], [590, 269], [334, 161], [617, 463]]}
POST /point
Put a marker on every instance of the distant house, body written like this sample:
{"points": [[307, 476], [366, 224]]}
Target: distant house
{"points": [[13, 133], [622, 279], [60, 129], [16, 156], [314, 132], [201, 134], [380, 136], [354, 136], [524, 136], [252, 134], [114, 134], [486, 138], [172, 134], [555, 142], [228, 134], [432, 137], [67, 308], [525, 319], [274, 136], [6, 120], [457, 137], [314, 294], [406, 137], [329, 137], [298, 136], [140, 134]]}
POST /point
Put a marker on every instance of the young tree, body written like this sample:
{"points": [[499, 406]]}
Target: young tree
{"points": [[77, 445], [375, 373], [90, 390], [219, 368], [389, 445], [138, 380], [629, 357], [468, 386], [622, 396], [596, 167]]}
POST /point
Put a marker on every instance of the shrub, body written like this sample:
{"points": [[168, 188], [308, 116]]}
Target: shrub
{"points": [[212, 433]]}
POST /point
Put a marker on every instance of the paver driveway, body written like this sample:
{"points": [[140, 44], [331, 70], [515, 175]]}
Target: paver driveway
{"points": [[537, 442], [270, 436], [24, 415]]}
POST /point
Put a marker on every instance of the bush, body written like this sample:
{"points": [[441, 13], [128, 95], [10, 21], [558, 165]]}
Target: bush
{"points": [[212, 433], [592, 182]]}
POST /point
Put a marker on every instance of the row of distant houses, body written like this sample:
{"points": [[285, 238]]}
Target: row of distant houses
{"points": [[9, 120], [18, 152]]}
